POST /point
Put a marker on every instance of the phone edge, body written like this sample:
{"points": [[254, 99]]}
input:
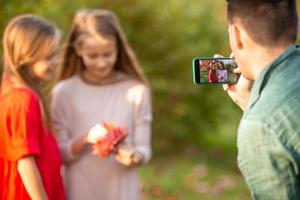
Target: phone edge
{"points": [[194, 75]]}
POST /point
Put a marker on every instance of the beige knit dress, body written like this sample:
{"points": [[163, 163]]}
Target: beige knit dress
{"points": [[76, 107]]}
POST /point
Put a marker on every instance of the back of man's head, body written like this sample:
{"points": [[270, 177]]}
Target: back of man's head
{"points": [[267, 22]]}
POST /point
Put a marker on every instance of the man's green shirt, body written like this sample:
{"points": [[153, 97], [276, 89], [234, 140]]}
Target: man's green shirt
{"points": [[269, 132]]}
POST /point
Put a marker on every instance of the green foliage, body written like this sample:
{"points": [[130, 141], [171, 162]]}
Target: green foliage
{"points": [[166, 36]]}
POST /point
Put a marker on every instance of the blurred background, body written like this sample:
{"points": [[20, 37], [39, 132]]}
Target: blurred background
{"points": [[194, 127]]}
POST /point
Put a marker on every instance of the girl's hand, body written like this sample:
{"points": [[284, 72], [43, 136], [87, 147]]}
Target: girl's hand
{"points": [[97, 133], [127, 156], [239, 92]]}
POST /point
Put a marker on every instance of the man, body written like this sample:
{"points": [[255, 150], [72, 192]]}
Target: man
{"points": [[262, 34]]}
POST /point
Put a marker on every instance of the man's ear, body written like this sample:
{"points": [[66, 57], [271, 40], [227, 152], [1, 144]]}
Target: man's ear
{"points": [[235, 36]]}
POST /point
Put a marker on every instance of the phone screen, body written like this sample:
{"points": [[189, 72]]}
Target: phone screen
{"points": [[214, 70]]}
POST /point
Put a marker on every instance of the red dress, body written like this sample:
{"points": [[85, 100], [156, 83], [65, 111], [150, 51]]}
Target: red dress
{"points": [[212, 76], [22, 133]]}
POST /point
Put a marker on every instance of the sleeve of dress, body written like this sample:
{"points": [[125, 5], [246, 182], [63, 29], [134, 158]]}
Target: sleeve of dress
{"points": [[142, 124], [61, 124], [23, 124]]}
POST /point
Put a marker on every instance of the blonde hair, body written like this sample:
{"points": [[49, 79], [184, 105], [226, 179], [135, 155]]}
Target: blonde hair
{"points": [[28, 39], [104, 23]]}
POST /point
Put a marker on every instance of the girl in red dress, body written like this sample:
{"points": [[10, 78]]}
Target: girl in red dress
{"points": [[30, 163], [212, 76]]}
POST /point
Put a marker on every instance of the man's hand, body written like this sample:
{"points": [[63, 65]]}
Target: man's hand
{"points": [[239, 92]]}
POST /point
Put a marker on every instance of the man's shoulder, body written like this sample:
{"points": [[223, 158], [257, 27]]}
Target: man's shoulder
{"points": [[281, 89], [277, 106]]}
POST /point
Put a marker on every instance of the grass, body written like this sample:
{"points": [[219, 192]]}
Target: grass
{"points": [[192, 176]]}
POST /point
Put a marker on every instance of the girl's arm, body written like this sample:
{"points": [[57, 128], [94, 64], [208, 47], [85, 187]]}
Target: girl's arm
{"points": [[142, 126], [60, 109], [31, 178], [70, 147], [140, 153]]}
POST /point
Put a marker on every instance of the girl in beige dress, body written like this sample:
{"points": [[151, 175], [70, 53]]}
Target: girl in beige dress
{"points": [[101, 81]]}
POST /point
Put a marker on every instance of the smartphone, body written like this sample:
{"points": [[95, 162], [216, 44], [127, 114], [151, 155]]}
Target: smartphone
{"points": [[214, 70]]}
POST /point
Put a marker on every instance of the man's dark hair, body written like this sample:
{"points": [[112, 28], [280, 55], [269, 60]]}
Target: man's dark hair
{"points": [[268, 22]]}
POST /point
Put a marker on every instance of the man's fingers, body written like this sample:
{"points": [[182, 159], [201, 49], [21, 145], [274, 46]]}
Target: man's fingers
{"points": [[237, 70], [225, 87], [218, 56], [231, 55]]}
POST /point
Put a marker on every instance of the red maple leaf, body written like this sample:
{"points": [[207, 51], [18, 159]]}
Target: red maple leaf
{"points": [[114, 136]]}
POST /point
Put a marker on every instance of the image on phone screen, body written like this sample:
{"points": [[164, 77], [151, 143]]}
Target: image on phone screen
{"points": [[214, 70]]}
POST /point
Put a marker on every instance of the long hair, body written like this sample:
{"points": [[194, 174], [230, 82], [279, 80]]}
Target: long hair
{"points": [[97, 22], [28, 39]]}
